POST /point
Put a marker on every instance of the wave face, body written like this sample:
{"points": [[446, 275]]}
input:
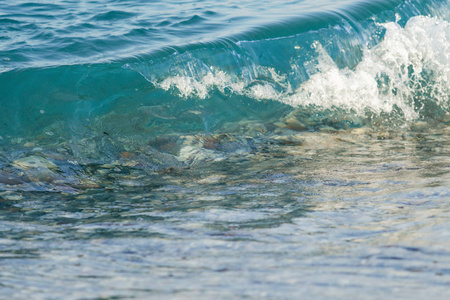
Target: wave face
{"points": [[96, 94]]}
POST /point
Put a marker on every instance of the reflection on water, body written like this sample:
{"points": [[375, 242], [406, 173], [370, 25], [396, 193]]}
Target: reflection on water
{"points": [[344, 215]]}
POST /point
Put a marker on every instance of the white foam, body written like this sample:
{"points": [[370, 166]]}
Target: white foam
{"points": [[409, 63], [190, 86]]}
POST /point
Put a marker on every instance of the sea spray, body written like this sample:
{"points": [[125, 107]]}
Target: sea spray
{"points": [[407, 71]]}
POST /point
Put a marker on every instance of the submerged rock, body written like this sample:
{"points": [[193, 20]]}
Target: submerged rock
{"points": [[216, 141], [29, 145], [361, 131], [419, 126], [212, 179], [34, 162], [292, 139], [294, 124], [170, 144], [37, 168], [87, 184], [10, 178], [11, 196], [384, 135], [127, 154]]}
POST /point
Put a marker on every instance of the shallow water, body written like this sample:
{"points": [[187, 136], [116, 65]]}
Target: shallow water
{"points": [[238, 150], [344, 215]]}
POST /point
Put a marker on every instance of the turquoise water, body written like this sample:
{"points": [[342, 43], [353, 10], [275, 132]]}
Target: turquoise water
{"points": [[225, 150]]}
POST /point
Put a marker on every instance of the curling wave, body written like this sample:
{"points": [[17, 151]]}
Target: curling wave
{"points": [[386, 61]]}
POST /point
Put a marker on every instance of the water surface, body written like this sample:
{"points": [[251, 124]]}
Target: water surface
{"points": [[238, 150]]}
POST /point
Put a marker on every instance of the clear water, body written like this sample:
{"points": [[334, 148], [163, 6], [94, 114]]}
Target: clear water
{"points": [[237, 150]]}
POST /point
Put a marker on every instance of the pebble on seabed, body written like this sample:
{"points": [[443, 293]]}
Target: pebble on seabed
{"points": [[294, 124], [29, 144], [212, 179], [419, 126], [292, 139], [34, 162], [38, 169]]}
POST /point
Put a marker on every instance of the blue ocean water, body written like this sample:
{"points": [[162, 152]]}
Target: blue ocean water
{"points": [[224, 150]]}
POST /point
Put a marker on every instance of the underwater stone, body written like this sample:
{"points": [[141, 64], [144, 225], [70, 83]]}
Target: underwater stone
{"points": [[108, 166], [34, 162], [10, 178], [293, 139], [87, 184], [193, 151], [131, 163], [11, 196], [361, 131], [127, 154], [215, 141], [29, 144], [383, 135], [294, 124], [37, 168], [170, 144], [130, 183], [419, 126], [212, 179]]}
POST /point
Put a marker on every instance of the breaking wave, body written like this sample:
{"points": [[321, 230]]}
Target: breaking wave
{"points": [[384, 62]]}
